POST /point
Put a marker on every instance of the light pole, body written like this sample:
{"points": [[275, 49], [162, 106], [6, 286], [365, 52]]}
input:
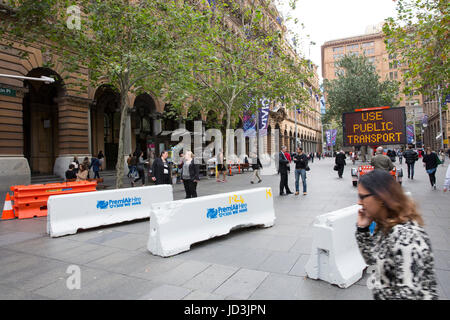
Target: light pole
{"points": [[440, 117], [45, 79]]}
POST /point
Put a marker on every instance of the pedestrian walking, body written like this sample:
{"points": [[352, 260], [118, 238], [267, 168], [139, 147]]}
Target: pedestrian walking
{"points": [[283, 167], [431, 161], [161, 169], [312, 157], [442, 156], [301, 163], [95, 165], [130, 166], [447, 180], [340, 163], [189, 175], [400, 156], [256, 166], [399, 249], [221, 168], [381, 161], [140, 167], [410, 158], [82, 174], [100, 158]]}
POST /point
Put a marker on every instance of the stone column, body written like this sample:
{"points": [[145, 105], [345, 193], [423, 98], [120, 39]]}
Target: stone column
{"points": [[73, 132], [14, 167]]}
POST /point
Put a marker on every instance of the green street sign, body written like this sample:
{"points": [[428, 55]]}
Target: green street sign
{"points": [[7, 92]]}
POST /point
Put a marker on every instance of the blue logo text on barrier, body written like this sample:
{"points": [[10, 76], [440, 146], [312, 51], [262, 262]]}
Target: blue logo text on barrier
{"points": [[219, 212], [124, 202]]}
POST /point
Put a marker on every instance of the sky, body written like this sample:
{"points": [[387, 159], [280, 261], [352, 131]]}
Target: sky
{"points": [[326, 20]]}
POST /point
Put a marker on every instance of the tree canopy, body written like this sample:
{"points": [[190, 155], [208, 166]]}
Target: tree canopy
{"points": [[357, 86], [420, 36]]}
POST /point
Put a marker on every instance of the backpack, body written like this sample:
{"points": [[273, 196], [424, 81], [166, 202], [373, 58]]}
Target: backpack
{"points": [[133, 161]]}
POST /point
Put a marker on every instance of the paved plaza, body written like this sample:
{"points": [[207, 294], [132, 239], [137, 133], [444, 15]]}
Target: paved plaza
{"points": [[247, 264]]}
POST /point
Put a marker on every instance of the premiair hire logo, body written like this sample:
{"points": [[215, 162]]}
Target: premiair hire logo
{"points": [[214, 213], [124, 202]]}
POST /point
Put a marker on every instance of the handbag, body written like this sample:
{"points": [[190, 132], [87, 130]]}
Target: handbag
{"points": [[307, 168], [335, 167]]}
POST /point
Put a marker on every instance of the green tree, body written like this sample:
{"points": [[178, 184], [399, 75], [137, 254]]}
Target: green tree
{"points": [[239, 66], [136, 46], [357, 86], [420, 37]]}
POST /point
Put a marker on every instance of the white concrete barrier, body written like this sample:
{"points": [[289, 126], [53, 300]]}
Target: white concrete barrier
{"points": [[68, 213], [176, 225], [335, 256]]}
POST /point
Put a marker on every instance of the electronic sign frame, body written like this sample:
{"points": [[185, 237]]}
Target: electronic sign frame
{"points": [[377, 126]]}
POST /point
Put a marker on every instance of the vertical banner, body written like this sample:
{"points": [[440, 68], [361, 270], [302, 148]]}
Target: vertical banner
{"points": [[249, 125], [410, 133], [331, 137], [264, 117]]}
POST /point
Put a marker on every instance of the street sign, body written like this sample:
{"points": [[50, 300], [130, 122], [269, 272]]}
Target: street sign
{"points": [[7, 92], [374, 127]]}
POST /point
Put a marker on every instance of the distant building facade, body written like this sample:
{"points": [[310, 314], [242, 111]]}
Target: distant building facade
{"points": [[43, 126]]}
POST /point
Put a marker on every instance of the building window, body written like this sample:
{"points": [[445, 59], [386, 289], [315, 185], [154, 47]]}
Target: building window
{"points": [[367, 44], [338, 49], [369, 51], [353, 47], [393, 64], [371, 60], [392, 56], [337, 56]]}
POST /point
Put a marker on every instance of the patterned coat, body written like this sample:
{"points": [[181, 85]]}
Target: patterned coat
{"points": [[403, 262]]}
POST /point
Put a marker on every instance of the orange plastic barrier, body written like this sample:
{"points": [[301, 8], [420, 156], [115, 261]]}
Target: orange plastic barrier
{"points": [[31, 201]]}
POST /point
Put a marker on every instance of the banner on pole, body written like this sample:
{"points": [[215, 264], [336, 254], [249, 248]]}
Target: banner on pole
{"points": [[331, 137], [249, 124], [410, 133]]}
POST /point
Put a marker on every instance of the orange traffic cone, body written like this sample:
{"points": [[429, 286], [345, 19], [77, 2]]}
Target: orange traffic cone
{"points": [[8, 212]]}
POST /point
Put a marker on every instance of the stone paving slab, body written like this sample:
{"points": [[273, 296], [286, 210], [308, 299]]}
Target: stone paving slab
{"points": [[252, 263]]}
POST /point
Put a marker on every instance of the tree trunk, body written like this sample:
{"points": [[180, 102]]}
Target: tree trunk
{"points": [[120, 153], [227, 138]]}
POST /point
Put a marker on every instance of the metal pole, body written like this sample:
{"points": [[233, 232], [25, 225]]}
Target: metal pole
{"points": [[414, 123], [295, 130], [440, 116], [257, 133]]}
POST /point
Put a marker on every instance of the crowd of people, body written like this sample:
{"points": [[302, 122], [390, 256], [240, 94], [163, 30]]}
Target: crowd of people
{"points": [[81, 171], [397, 238]]}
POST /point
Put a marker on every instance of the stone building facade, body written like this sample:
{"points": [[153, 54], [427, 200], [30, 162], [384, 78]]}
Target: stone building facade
{"points": [[388, 68], [43, 126]]}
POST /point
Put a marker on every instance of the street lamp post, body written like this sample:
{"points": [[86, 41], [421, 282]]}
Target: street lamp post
{"points": [[440, 117], [45, 79]]}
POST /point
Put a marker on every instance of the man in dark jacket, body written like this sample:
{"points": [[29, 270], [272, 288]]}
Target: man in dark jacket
{"points": [[95, 165], [301, 163], [340, 162], [71, 174], [410, 158], [283, 167], [380, 161], [161, 169]]}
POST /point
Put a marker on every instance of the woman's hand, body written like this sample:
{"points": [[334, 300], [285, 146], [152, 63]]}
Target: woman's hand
{"points": [[363, 220]]}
